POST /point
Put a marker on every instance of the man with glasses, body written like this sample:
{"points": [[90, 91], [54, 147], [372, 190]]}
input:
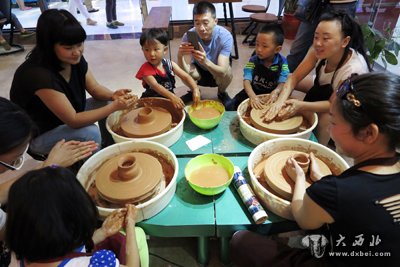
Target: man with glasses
{"points": [[209, 65]]}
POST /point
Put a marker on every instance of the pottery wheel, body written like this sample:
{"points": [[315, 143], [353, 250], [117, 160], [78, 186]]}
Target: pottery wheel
{"points": [[114, 189], [278, 180], [146, 122], [288, 126]]}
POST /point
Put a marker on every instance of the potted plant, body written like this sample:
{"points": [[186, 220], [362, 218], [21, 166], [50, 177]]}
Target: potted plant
{"points": [[380, 45], [290, 23]]}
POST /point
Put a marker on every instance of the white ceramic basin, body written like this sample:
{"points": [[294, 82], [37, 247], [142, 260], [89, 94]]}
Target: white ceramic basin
{"points": [[149, 208], [256, 136], [271, 201], [168, 138]]}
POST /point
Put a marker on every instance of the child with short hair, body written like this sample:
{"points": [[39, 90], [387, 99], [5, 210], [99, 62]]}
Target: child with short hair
{"points": [[158, 73], [266, 70]]}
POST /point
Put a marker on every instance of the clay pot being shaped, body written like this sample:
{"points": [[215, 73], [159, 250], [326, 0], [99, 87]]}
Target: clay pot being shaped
{"points": [[128, 169], [146, 122], [129, 178], [303, 159], [152, 205], [267, 196], [167, 138], [257, 136]]}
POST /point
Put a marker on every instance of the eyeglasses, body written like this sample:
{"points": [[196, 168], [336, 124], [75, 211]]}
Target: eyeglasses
{"points": [[346, 89], [16, 164]]}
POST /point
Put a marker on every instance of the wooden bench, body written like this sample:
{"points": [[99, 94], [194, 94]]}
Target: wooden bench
{"points": [[160, 18]]}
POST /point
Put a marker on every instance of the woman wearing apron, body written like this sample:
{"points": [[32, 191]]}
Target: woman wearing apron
{"points": [[337, 52]]}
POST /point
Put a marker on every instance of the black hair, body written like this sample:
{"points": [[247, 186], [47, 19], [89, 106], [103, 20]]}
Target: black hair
{"points": [[153, 34], [277, 31], [379, 96], [203, 7], [49, 214], [16, 127], [55, 26], [349, 28]]}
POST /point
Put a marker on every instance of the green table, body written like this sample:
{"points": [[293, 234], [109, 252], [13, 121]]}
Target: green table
{"points": [[188, 214], [231, 215], [190, 131]]}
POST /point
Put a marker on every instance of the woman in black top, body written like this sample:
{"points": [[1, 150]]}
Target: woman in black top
{"points": [[51, 86], [361, 205]]}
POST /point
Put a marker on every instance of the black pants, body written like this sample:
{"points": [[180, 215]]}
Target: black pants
{"points": [[111, 10]]}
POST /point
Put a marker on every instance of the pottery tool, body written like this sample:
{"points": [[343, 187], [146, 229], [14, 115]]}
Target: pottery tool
{"points": [[248, 197]]}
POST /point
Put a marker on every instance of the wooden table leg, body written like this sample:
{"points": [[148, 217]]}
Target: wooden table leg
{"points": [[202, 250]]}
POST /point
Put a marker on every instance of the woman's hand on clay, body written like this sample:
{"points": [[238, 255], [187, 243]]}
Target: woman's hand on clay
{"points": [[121, 93], [124, 102], [114, 222], [131, 214], [294, 171], [256, 102], [272, 112], [177, 102], [66, 153], [273, 96], [315, 171], [290, 109]]}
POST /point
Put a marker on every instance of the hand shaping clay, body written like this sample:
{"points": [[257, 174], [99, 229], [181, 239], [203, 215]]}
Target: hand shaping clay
{"points": [[288, 126], [277, 178]]}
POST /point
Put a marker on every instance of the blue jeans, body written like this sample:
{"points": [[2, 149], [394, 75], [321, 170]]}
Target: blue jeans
{"points": [[305, 35], [43, 143]]}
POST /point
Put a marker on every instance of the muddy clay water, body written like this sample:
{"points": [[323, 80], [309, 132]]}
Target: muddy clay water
{"points": [[205, 113], [209, 176]]}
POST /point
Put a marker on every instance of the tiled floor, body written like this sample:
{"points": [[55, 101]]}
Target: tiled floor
{"points": [[114, 64]]}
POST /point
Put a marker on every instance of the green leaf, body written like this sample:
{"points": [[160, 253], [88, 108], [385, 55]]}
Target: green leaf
{"points": [[380, 45], [390, 57], [365, 30], [370, 43], [396, 48]]}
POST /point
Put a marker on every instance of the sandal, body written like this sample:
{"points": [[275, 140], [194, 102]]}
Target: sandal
{"points": [[5, 45], [91, 22]]}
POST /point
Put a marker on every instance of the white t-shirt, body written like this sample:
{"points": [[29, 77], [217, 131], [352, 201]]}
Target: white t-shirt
{"points": [[356, 64]]}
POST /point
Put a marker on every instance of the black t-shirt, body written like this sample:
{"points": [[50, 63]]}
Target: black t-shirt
{"points": [[31, 77], [355, 199]]}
